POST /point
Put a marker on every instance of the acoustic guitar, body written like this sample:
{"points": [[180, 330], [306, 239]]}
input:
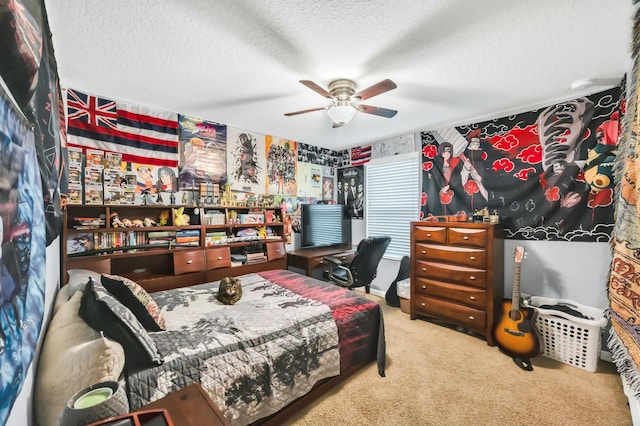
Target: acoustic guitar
{"points": [[516, 332]]}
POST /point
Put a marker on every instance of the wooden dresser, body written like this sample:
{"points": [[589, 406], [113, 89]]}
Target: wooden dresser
{"points": [[457, 273]]}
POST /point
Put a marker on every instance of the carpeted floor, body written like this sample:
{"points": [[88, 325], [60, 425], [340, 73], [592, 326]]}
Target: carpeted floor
{"points": [[439, 376]]}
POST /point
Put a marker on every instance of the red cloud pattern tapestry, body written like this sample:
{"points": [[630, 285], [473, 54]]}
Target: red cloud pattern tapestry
{"points": [[548, 173]]}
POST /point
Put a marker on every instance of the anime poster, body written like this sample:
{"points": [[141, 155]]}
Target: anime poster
{"points": [[308, 180], [22, 257], [351, 190], [203, 154], [548, 173], [246, 161], [282, 164]]}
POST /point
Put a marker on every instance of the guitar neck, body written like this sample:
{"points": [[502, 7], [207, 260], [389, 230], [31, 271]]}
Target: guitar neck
{"points": [[515, 297]]}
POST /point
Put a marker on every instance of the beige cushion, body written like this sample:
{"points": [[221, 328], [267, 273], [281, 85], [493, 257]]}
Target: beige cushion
{"points": [[61, 298], [78, 279], [73, 356]]}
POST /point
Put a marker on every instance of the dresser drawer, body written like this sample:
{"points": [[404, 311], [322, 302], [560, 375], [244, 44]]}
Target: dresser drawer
{"points": [[187, 261], [474, 257], [470, 296], [451, 273], [462, 315], [219, 257], [434, 234], [468, 237], [276, 250]]}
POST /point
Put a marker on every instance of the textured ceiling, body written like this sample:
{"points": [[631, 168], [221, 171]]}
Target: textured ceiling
{"points": [[238, 62]]}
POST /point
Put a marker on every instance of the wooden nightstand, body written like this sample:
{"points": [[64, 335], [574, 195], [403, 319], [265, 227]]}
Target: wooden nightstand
{"points": [[190, 406]]}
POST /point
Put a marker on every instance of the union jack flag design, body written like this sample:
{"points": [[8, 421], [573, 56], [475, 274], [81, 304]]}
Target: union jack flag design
{"points": [[143, 135]]}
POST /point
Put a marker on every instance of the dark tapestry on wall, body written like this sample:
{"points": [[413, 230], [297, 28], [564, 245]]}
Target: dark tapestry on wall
{"points": [[548, 173], [28, 68]]}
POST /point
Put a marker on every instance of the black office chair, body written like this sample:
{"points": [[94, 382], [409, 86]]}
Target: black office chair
{"points": [[363, 267]]}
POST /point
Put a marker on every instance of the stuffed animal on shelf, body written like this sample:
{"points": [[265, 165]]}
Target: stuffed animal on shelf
{"points": [[229, 291], [163, 217], [180, 218], [149, 222]]}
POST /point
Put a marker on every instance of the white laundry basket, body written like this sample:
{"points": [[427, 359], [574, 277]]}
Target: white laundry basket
{"points": [[568, 338], [404, 293]]}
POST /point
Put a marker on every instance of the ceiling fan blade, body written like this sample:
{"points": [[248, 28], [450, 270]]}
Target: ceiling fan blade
{"points": [[376, 89], [289, 114], [313, 86], [383, 112]]}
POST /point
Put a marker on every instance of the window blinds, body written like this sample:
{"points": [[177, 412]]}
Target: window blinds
{"points": [[392, 197]]}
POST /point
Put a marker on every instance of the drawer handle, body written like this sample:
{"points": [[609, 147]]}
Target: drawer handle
{"points": [[472, 257], [472, 278], [424, 269], [472, 297], [424, 287], [189, 262], [424, 252], [219, 257], [471, 317], [429, 235], [424, 305], [465, 238], [278, 251]]}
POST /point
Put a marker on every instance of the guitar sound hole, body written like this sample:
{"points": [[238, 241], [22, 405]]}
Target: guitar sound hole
{"points": [[515, 315]]}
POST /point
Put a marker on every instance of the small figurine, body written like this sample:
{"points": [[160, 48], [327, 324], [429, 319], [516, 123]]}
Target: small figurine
{"points": [[163, 217], [137, 223], [116, 222], [172, 198], [127, 223]]}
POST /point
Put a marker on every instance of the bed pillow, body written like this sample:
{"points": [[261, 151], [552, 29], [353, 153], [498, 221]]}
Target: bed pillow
{"points": [[73, 356], [136, 298], [104, 313], [79, 278]]}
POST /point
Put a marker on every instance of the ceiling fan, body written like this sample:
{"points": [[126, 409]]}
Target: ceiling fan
{"points": [[345, 102]]}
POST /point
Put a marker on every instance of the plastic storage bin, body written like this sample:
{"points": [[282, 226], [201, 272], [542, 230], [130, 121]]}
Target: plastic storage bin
{"points": [[404, 293], [569, 338]]}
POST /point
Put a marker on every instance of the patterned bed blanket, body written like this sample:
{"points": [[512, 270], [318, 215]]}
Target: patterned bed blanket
{"points": [[286, 333]]}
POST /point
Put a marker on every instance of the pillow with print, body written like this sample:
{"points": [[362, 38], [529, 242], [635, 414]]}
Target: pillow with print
{"points": [[104, 313], [136, 298]]}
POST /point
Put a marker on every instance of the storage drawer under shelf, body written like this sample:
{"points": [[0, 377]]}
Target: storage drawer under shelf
{"points": [[218, 257], [452, 273], [471, 318], [470, 296], [276, 250], [187, 261]]}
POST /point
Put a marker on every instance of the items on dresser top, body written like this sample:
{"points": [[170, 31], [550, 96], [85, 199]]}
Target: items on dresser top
{"points": [[457, 271]]}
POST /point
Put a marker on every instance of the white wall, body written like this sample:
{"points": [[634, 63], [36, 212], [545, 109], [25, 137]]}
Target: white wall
{"points": [[21, 413]]}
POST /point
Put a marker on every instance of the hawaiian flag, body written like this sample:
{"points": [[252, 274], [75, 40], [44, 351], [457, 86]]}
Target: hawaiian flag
{"points": [[361, 155], [143, 135]]}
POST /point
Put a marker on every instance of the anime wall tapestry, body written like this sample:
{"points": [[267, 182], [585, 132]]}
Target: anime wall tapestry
{"points": [[246, 160], [204, 152], [547, 173], [22, 257], [282, 164], [28, 68]]}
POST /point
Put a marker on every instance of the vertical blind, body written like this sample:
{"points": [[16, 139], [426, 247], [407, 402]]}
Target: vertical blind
{"points": [[392, 197]]}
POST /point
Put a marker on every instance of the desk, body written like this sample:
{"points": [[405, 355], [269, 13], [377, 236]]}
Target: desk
{"points": [[309, 259]]}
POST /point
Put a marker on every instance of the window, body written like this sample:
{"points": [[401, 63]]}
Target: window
{"points": [[392, 197]]}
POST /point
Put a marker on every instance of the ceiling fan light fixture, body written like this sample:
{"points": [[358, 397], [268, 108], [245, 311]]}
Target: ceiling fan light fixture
{"points": [[341, 113]]}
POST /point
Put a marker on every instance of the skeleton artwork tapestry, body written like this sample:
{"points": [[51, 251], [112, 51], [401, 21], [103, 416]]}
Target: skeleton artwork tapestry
{"points": [[22, 256], [547, 173], [246, 161]]}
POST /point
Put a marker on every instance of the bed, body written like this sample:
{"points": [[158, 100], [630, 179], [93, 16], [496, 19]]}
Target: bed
{"points": [[287, 336]]}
